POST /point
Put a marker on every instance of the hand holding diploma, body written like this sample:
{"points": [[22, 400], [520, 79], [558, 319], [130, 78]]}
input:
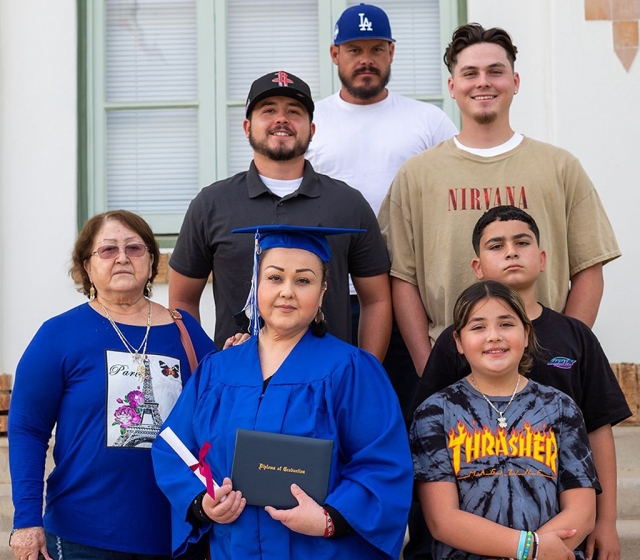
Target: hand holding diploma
{"points": [[199, 467], [308, 518], [228, 511]]}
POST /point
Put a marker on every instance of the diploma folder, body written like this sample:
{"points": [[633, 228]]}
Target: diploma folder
{"points": [[265, 465]]}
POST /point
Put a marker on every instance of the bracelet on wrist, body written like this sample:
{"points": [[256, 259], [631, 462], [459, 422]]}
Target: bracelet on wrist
{"points": [[329, 529], [536, 544], [524, 545], [527, 545]]}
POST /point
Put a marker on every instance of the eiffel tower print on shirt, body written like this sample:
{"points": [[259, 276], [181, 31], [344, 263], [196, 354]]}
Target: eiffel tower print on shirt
{"points": [[150, 424]]}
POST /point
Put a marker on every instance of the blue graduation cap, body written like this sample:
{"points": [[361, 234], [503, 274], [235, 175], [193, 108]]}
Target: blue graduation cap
{"points": [[312, 239]]}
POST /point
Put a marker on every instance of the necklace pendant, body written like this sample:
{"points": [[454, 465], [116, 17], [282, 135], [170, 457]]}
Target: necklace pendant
{"points": [[502, 422], [140, 369]]}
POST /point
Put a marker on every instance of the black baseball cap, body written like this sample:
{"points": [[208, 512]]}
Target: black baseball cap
{"points": [[280, 83]]}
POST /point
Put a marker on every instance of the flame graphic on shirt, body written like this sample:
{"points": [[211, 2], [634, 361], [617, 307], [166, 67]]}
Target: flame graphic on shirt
{"points": [[540, 445]]}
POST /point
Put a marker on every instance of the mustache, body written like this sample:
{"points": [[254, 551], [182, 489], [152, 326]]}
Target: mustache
{"points": [[366, 69], [281, 128]]}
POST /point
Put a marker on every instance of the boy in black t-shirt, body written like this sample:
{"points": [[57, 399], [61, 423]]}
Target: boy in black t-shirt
{"points": [[506, 242]]}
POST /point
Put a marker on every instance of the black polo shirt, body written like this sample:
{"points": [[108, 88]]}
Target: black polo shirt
{"points": [[206, 245]]}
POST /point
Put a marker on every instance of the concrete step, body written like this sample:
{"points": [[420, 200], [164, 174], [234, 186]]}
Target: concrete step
{"points": [[628, 495], [4, 461], [628, 458], [629, 533]]}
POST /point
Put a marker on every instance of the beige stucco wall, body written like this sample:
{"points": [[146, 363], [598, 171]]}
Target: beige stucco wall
{"points": [[37, 167], [576, 93]]}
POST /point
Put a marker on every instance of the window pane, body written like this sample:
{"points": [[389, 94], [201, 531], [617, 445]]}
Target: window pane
{"points": [[240, 153], [152, 160], [151, 50], [266, 35], [417, 63]]}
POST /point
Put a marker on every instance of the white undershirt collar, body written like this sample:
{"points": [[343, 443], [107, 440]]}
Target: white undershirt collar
{"points": [[509, 145], [281, 187]]}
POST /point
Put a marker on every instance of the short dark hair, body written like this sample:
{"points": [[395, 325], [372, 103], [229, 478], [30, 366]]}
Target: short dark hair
{"points": [[502, 214], [472, 34], [84, 243], [489, 289]]}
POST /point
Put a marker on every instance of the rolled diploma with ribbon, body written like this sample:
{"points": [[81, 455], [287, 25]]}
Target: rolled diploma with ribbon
{"points": [[181, 449]]}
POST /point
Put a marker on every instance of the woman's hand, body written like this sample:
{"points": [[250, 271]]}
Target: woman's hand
{"points": [[27, 543], [307, 517], [236, 340], [552, 545], [227, 511]]}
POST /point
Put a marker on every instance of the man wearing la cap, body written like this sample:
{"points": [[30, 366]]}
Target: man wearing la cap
{"points": [[281, 187], [366, 132]]}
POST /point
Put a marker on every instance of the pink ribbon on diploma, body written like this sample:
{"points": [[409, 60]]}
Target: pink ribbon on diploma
{"points": [[204, 468]]}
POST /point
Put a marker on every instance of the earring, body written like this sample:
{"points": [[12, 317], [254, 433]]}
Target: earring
{"points": [[92, 292], [319, 316], [148, 289]]}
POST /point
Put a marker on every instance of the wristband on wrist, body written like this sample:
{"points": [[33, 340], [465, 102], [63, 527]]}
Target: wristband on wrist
{"points": [[329, 530], [523, 538]]}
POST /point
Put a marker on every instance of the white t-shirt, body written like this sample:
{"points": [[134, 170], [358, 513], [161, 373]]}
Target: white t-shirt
{"points": [[365, 145]]}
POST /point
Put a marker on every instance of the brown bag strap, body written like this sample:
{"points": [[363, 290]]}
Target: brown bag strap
{"points": [[185, 339]]}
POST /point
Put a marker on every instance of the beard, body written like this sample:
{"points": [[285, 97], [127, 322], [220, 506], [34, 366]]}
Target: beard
{"points": [[368, 90], [280, 152], [485, 118]]}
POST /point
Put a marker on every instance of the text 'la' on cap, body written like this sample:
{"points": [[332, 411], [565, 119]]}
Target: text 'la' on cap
{"points": [[362, 21]]}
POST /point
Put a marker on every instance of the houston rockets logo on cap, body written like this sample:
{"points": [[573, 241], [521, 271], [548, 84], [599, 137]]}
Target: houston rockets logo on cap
{"points": [[277, 84], [282, 79]]}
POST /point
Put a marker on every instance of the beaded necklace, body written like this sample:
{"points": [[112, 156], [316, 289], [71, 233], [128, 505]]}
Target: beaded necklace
{"points": [[138, 354]]}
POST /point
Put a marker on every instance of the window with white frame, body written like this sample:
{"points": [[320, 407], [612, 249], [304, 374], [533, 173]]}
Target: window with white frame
{"points": [[164, 84]]}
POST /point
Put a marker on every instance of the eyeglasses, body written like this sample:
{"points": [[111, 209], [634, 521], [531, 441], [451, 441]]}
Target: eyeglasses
{"points": [[112, 251]]}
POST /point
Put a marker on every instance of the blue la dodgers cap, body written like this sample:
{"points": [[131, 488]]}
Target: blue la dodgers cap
{"points": [[312, 239], [362, 21]]}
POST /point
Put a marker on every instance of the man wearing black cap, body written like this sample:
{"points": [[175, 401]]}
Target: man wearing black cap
{"points": [[280, 187]]}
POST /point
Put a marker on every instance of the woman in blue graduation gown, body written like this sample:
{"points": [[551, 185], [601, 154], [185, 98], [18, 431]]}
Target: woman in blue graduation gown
{"points": [[291, 378]]}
